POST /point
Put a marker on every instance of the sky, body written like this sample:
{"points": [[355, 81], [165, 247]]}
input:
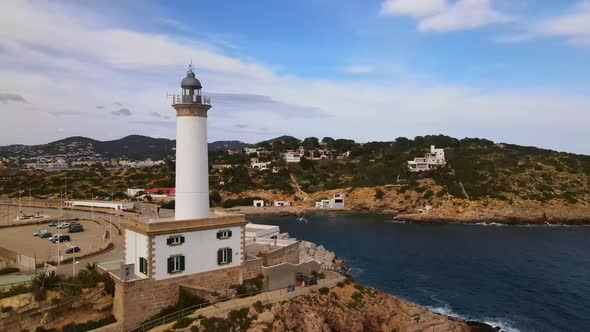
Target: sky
{"points": [[514, 71]]}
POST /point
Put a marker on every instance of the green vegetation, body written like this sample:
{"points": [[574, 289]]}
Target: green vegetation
{"points": [[14, 291], [182, 323], [237, 320], [249, 286], [185, 300], [9, 270], [88, 326], [482, 167], [324, 291]]}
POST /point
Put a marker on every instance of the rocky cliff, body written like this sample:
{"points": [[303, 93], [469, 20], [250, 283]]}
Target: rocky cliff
{"points": [[431, 204], [345, 307]]}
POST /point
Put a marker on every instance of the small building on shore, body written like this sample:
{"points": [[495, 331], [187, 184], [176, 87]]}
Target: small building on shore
{"points": [[337, 202]]}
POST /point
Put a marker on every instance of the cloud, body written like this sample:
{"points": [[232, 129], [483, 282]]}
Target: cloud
{"points": [[231, 103], [141, 66], [122, 112], [443, 16], [99, 107], [116, 103], [11, 97], [165, 124], [66, 113], [463, 15], [414, 8], [242, 126], [573, 26], [159, 116], [359, 70]]}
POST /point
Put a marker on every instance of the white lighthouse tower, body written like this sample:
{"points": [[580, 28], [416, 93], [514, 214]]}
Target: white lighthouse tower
{"points": [[192, 166]]}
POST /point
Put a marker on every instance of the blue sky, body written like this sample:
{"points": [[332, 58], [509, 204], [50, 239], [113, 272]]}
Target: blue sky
{"points": [[510, 71]]}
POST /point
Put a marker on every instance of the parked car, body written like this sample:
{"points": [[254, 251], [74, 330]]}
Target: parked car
{"points": [[45, 236], [72, 250], [52, 224], [74, 223], [63, 225], [39, 232], [76, 229], [60, 238]]}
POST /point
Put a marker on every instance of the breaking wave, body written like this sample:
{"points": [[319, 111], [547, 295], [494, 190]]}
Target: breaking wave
{"points": [[446, 310]]}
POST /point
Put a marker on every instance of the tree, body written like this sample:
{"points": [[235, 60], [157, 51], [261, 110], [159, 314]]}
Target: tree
{"points": [[311, 143]]}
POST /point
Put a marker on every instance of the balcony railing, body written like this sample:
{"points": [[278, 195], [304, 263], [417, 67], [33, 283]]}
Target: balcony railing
{"points": [[191, 99]]}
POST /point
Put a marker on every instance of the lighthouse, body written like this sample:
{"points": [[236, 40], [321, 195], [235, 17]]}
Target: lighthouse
{"points": [[192, 166]]}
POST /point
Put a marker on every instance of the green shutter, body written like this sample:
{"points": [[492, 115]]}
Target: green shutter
{"points": [[182, 239], [219, 256], [228, 233], [181, 263], [229, 255], [170, 264], [169, 241], [219, 235]]}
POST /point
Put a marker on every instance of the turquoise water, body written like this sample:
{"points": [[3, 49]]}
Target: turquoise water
{"points": [[523, 278]]}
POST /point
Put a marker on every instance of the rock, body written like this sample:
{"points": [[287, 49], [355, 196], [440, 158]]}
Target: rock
{"points": [[278, 326], [319, 255], [266, 318], [307, 244], [311, 252], [329, 257], [321, 248]]}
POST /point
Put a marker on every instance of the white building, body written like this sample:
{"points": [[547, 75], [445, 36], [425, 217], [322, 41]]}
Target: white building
{"points": [[258, 203], [292, 156], [257, 231], [337, 202], [119, 206], [281, 203], [131, 192], [255, 163], [434, 159]]}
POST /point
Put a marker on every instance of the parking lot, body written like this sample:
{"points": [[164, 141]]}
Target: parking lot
{"points": [[20, 239]]}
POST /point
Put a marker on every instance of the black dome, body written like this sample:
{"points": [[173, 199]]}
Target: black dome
{"points": [[190, 82]]}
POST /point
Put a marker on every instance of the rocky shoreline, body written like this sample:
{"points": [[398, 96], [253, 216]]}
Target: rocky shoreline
{"points": [[400, 311]]}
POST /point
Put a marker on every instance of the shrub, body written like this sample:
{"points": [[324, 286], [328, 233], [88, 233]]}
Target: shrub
{"points": [[43, 282], [324, 291], [6, 309], [89, 325], [9, 270], [379, 194], [258, 307], [15, 290], [340, 284], [253, 285], [182, 323]]}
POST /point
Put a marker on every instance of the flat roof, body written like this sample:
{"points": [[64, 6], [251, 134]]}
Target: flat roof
{"points": [[216, 219]]}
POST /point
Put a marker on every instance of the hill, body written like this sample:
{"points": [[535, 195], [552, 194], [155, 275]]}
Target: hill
{"points": [[480, 179], [134, 147]]}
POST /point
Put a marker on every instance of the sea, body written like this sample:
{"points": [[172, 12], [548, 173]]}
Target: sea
{"points": [[521, 278]]}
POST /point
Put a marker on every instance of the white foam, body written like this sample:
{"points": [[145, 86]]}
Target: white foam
{"points": [[446, 310]]}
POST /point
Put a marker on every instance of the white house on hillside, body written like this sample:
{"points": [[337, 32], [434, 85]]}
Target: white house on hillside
{"points": [[434, 159]]}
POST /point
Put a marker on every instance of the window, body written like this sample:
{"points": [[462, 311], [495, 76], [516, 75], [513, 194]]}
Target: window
{"points": [[175, 240], [225, 234], [175, 264], [143, 266], [224, 256]]}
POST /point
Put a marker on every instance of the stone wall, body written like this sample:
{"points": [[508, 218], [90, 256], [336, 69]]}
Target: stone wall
{"points": [[138, 301], [288, 254]]}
